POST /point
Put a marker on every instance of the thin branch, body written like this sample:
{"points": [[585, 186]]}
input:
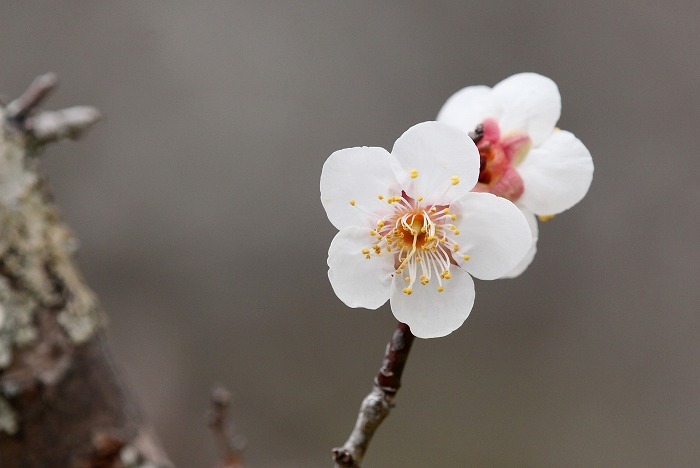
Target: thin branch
{"points": [[19, 109], [379, 402], [230, 447], [50, 126]]}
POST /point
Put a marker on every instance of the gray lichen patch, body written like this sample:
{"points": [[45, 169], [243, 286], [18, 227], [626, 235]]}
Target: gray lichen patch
{"points": [[80, 322], [15, 177], [131, 458], [8, 419], [17, 327], [37, 273]]}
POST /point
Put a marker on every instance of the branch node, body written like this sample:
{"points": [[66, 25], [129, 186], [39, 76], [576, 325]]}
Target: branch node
{"points": [[48, 126]]}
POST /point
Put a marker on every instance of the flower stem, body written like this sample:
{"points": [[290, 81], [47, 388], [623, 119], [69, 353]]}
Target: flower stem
{"points": [[378, 403]]}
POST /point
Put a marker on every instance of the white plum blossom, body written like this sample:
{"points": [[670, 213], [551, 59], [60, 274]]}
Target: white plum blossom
{"points": [[524, 157], [412, 231]]}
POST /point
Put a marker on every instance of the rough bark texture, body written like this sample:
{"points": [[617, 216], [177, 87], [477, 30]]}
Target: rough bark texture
{"points": [[85, 419], [61, 402]]}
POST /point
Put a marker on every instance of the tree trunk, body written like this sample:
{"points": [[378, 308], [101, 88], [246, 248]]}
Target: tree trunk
{"points": [[61, 400]]}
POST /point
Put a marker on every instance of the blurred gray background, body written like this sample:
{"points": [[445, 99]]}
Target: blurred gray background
{"points": [[196, 201]]}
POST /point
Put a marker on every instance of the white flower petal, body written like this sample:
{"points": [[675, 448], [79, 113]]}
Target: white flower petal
{"points": [[430, 313], [437, 153], [356, 280], [556, 175], [469, 107], [530, 256], [493, 233], [361, 175], [531, 103]]}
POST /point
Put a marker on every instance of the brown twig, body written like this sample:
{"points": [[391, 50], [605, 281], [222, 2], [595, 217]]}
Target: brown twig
{"points": [[230, 447], [379, 402]]}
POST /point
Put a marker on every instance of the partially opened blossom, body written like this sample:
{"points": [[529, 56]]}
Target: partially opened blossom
{"points": [[524, 158], [411, 230]]}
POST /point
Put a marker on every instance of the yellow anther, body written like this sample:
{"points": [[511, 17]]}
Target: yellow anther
{"points": [[418, 259], [380, 224], [408, 291], [424, 280], [456, 232], [455, 248], [440, 289], [407, 279], [422, 229], [466, 257], [372, 232], [365, 251], [352, 202], [413, 173], [433, 209], [452, 227], [453, 217], [545, 218], [376, 249], [388, 248], [446, 211], [380, 196], [455, 180], [420, 198], [446, 274]]}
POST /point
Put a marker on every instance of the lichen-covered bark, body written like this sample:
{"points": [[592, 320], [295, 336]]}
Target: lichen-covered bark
{"points": [[61, 403]]}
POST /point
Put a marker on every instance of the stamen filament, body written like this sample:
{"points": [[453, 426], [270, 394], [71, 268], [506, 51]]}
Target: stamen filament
{"points": [[414, 235]]}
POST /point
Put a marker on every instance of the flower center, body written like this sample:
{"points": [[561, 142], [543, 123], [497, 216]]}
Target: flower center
{"points": [[414, 228], [421, 237], [499, 156]]}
